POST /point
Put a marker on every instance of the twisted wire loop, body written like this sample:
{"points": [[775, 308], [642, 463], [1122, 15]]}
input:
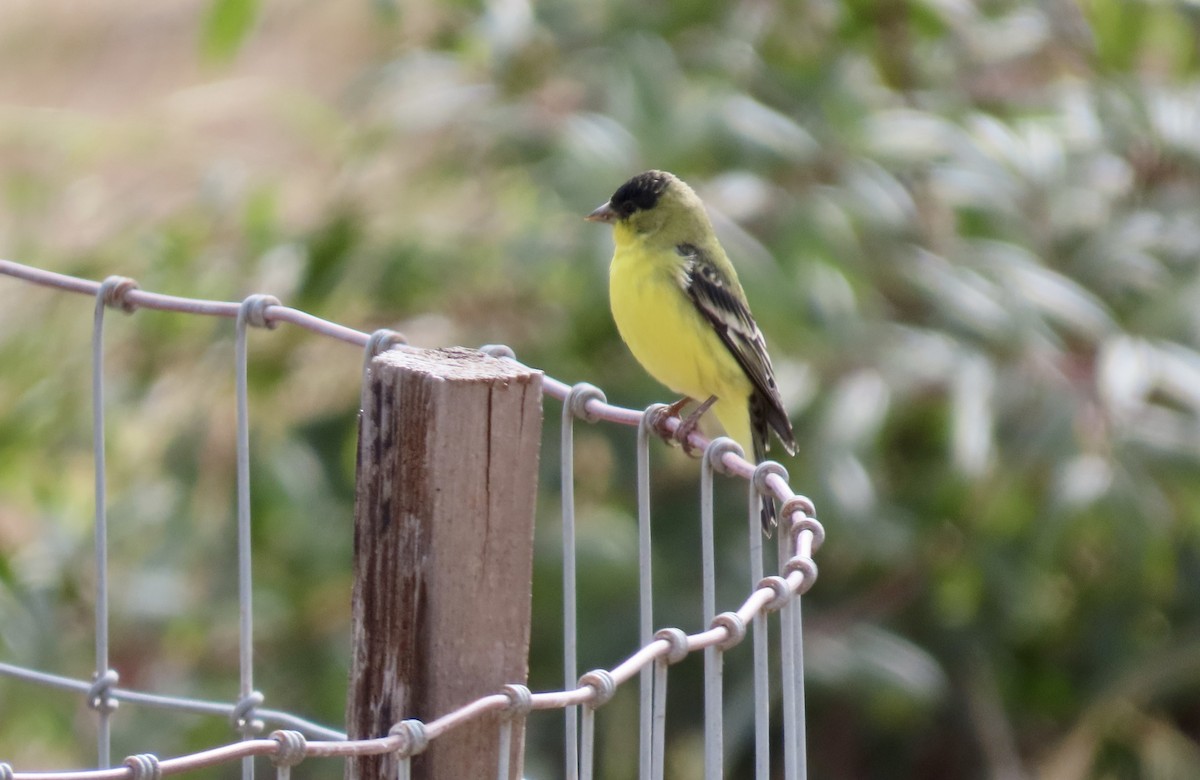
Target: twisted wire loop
{"points": [[382, 340], [6, 771], [603, 687], [806, 523], [655, 419], [802, 506], [783, 592], [114, 292], [292, 748], [144, 766], [379, 342], [254, 310], [799, 504], [520, 704], [759, 480], [811, 525], [99, 696], [520, 701], [242, 716], [498, 351], [734, 626], [764, 470], [677, 643], [717, 449], [602, 684], [650, 416], [413, 738], [800, 512], [580, 396], [807, 567]]}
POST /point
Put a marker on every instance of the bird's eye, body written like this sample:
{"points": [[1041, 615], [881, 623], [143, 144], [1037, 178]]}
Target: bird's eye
{"points": [[627, 208]]}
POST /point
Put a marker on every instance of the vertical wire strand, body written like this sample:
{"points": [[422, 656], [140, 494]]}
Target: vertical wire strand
{"points": [[587, 743], [504, 748], [713, 736], [659, 726], [645, 592], [404, 768], [103, 729], [245, 611], [801, 722], [570, 673], [798, 650], [762, 693], [787, 668]]}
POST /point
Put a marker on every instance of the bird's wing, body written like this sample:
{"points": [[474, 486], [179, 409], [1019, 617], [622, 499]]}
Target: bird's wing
{"points": [[714, 296]]}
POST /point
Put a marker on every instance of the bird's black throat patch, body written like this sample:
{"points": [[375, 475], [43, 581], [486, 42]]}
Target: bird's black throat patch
{"points": [[640, 193]]}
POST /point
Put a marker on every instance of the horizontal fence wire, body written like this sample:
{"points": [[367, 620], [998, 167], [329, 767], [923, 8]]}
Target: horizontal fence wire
{"points": [[800, 536]]}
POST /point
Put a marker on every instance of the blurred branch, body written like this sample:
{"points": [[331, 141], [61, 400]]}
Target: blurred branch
{"points": [[991, 723]]}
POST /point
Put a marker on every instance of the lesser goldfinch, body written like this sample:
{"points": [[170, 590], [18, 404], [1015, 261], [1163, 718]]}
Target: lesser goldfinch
{"points": [[679, 307]]}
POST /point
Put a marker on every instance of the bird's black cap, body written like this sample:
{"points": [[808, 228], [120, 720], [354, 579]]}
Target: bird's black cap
{"points": [[640, 193]]}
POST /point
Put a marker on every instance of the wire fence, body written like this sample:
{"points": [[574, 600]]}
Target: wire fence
{"points": [[581, 697]]}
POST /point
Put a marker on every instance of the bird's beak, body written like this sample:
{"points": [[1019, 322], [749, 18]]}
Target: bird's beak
{"points": [[605, 213]]}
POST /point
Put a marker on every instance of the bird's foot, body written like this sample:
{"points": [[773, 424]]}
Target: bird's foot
{"points": [[661, 414], [688, 425]]}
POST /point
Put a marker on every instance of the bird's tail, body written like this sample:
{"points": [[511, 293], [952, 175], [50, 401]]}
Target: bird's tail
{"points": [[758, 435], [769, 520]]}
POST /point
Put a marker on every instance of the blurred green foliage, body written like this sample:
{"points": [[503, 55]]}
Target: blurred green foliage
{"points": [[969, 231], [226, 27]]}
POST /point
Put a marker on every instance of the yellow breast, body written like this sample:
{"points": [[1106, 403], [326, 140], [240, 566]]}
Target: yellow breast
{"points": [[663, 329]]}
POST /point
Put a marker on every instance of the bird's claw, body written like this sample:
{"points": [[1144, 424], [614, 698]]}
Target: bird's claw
{"points": [[682, 434], [661, 415]]}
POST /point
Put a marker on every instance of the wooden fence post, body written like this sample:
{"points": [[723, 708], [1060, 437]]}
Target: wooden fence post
{"points": [[443, 550]]}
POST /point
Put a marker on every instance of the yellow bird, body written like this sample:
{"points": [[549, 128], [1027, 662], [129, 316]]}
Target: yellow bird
{"points": [[678, 306]]}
